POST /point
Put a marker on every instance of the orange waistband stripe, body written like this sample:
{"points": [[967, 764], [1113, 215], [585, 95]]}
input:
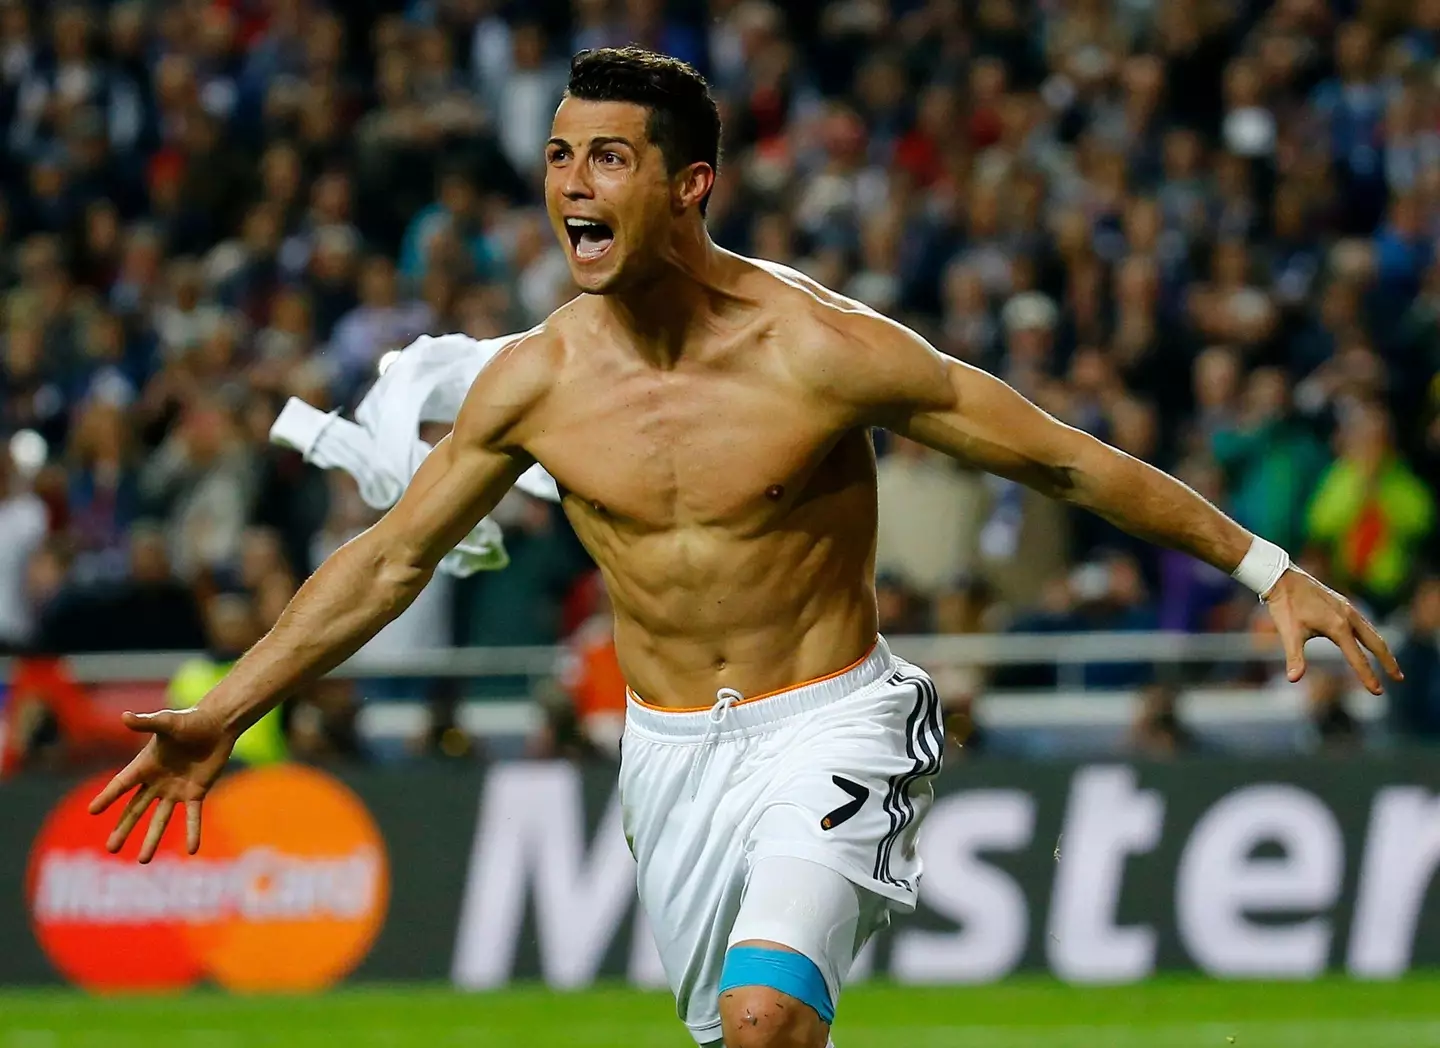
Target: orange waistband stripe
{"points": [[757, 698]]}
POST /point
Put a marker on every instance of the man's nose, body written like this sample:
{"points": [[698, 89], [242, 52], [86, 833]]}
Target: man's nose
{"points": [[575, 184]]}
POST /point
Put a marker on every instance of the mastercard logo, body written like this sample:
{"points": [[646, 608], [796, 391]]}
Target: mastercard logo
{"points": [[288, 892]]}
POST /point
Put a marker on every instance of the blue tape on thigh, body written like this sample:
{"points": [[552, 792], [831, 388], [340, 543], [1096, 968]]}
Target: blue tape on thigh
{"points": [[793, 974]]}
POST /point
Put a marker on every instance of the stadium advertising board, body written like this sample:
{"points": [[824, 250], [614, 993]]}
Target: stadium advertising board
{"points": [[1096, 873], [288, 892]]}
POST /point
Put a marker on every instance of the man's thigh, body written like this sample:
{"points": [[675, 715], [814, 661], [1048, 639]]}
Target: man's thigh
{"points": [[800, 927]]}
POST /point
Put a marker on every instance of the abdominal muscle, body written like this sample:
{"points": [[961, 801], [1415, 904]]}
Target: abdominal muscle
{"points": [[700, 609]]}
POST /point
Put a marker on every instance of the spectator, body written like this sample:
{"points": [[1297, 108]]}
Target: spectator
{"points": [[396, 124], [1145, 361], [186, 319], [1231, 308], [1371, 512], [647, 24], [902, 610], [330, 214], [287, 342], [1157, 732], [1419, 332], [146, 610], [1111, 596], [20, 52], [1353, 378], [138, 278], [251, 264], [111, 366], [920, 151], [217, 177], [380, 323], [1411, 148], [1295, 254], [1352, 105], [1422, 38], [23, 526], [1025, 536], [330, 279], [830, 202], [877, 284], [1330, 727], [1184, 196], [41, 708], [1249, 128], [526, 101], [1272, 459], [1194, 596], [201, 481], [593, 680], [522, 604], [50, 722], [262, 561], [968, 331], [930, 517], [1415, 702], [1403, 253], [451, 113], [46, 574], [456, 214], [490, 47], [965, 738], [1105, 595], [104, 496], [444, 738], [278, 50], [322, 725], [45, 209]]}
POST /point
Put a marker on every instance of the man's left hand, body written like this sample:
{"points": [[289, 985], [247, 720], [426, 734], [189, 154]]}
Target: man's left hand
{"points": [[1303, 607]]}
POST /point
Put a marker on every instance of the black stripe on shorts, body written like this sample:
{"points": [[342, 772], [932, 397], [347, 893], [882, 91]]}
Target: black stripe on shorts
{"points": [[925, 745], [890, 805]]}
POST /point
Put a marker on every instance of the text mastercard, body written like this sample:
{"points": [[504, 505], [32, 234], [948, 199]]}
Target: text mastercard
{"points": [[288, 892]]}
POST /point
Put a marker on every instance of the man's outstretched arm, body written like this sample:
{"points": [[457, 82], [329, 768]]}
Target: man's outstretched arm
{"points": [[983, 422], [370, 580], [362, 586]]}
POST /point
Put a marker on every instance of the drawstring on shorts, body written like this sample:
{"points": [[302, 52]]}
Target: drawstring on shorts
{"points": [[719, 713]]}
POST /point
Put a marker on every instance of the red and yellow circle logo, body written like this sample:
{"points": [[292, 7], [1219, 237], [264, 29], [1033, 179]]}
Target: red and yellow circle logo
{"points": [[288, 892]]}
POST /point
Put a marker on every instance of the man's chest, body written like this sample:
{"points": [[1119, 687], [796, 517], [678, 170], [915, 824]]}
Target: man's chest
{"points": [[668, 450]]}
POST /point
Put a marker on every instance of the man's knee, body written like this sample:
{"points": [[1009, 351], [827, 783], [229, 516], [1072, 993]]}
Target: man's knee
{"points": [[762, 1017], [773, 997]]}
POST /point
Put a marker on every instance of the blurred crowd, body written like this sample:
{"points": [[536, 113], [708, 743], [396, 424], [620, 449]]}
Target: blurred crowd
{"points": [[1203, 231]]}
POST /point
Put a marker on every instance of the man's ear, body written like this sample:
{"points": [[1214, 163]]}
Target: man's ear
{"points": [[691, 185]]}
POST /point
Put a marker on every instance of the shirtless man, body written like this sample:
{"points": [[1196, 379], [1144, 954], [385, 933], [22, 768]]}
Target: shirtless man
{"points": [[707, 419]]}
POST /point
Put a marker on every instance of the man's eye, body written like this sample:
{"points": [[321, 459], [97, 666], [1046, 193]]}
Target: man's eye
{"points": [[611, 159]]}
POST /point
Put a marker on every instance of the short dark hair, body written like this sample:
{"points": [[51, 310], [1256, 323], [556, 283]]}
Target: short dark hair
{"points": [[684, 120]]}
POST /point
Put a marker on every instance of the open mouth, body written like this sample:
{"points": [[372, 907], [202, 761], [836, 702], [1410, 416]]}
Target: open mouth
{"points": [[589, 239]]}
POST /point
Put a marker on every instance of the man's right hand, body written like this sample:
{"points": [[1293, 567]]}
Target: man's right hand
{"points": [[186, 753]]}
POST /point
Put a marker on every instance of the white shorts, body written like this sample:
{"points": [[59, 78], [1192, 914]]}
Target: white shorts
{"points": [[836, 772]]}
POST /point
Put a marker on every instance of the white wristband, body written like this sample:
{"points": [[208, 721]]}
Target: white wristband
{"points": [[1262, 567]]}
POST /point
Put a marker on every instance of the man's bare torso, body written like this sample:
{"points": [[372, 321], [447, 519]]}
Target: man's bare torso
{"points": [[728, 500]]}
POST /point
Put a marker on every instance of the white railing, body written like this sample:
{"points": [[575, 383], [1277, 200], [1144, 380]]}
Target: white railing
{"points": [[1067, 706]]}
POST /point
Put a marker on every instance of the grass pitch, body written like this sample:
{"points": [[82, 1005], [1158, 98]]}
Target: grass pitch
{"points": [[1167, 1013]]}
